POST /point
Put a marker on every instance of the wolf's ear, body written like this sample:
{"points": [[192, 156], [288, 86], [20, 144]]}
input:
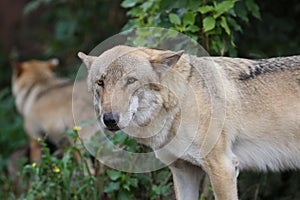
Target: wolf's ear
{"points": [[163, 61], [87, 60], [53, 63], [17, 67]]}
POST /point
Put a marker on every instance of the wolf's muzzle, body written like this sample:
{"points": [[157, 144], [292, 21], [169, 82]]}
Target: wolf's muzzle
{"points": [[111, 121]]}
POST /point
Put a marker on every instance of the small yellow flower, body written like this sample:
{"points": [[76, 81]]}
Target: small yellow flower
{"points": [[33, 164], [56, 169], [77, 128], [39, 139]]}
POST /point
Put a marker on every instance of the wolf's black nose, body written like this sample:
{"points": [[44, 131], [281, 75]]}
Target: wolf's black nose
{"points": [[111, 121]]}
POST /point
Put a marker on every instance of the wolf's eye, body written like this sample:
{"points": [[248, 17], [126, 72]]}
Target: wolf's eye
{"points": [[100, 83], [131, 80]]}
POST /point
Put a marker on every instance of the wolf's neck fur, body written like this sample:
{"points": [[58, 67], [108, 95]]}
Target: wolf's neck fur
{"points": [[22, 96], [159, 139]]}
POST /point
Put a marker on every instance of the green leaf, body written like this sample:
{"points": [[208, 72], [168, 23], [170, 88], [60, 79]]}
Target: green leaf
{"points": [[126, 187], [253, 8], [124, 195], [191, 5], [134, 12], [144, 179], [224, 25], [112, 186], [234, 24], [193, 28], [218, 45], [162, 176], [241, 11], [189, 18], [156, 189], [132, 181], [129, 3], [205, 9], [147, 5], [131, 145], [223, 7], [174, 19], [119, 137], [166, 188], [209, 23], [202, 197], [114, 175]]}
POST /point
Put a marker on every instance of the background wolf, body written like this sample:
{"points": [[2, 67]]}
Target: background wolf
{"points": [[45, 101]]}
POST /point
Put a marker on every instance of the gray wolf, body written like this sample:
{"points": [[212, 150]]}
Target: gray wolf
{"points": [[218, 114], [45, 102]]}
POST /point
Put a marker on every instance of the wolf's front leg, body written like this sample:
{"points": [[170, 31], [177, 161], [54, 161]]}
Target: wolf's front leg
{"points": [[35, 150], [186, 179], [222, 171]]}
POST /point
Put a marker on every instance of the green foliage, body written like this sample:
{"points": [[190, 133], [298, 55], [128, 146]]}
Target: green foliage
{"points": [[56, 178], [73, 24], [211, 22], [12, 137], [11, 124], [269, 186], [155, 185], [123, 185], [123, 141], [277, 34]]}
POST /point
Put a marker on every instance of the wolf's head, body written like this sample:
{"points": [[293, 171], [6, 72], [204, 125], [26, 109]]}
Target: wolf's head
{"points": [[32, 71], [127, 85], [29, 73]]}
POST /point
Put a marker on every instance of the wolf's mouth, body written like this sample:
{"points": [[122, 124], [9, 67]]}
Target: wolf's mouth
{"points": [[115, 129]]}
